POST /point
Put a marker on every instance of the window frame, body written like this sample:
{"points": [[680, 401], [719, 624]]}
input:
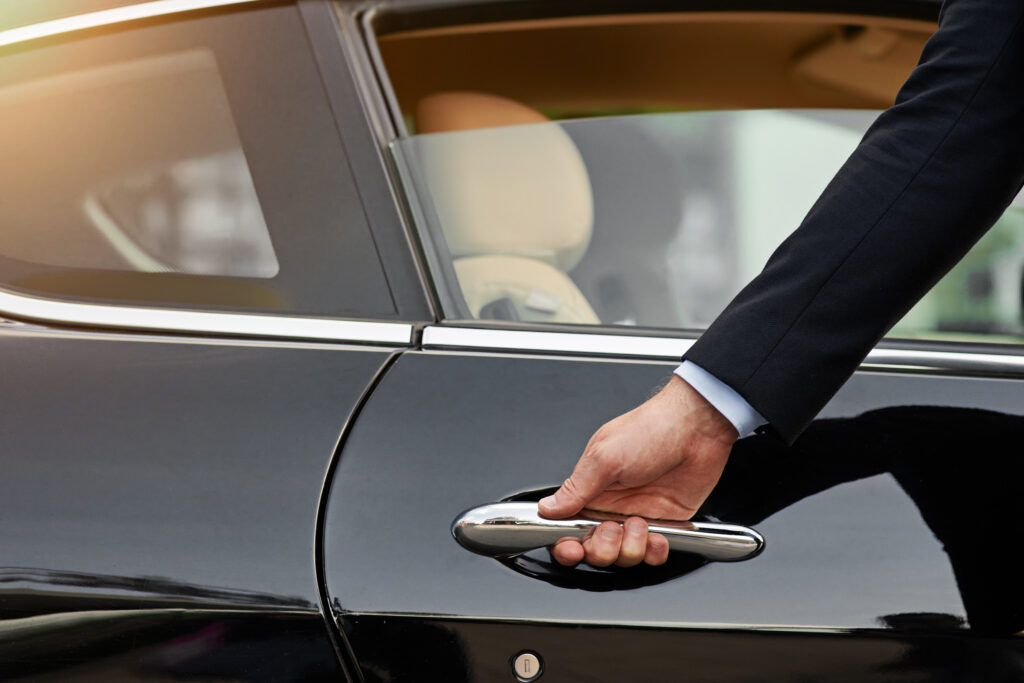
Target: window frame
{"points": [[404, 286], [962, 358]]}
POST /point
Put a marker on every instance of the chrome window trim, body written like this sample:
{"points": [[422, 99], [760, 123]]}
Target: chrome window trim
{"points": [[9, 329], [25, 307], [78, 22], [668, 348], [955, 361]]}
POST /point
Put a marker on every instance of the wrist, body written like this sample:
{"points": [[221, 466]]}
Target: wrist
{"points": [[704, 419]]}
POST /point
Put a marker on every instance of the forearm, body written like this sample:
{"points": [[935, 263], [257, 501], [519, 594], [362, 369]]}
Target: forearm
{"points": [[931, 176]]}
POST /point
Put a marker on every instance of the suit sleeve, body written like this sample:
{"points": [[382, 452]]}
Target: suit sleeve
{"points": [[931, 175]]}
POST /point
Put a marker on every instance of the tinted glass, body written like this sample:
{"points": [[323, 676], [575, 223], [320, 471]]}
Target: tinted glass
{"points": [[190, 161], [658, 220], [151, 177]]}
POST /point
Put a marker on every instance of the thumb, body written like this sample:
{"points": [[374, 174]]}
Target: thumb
{"points": [[590, 478]]}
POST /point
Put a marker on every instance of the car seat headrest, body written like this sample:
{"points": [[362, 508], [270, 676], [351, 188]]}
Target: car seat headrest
{"points": [[532, 290], [518, 190], [447, 111]]}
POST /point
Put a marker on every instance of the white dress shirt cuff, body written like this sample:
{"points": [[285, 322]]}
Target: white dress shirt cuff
{"points": [[723, 397]]}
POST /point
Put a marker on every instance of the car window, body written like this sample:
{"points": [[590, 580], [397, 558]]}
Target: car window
{"points": [[188, 162], [657, 220], [126, 196]]}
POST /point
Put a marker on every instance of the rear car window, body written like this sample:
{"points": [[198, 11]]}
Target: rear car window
{"points": [[191, 161], [129, 194]]}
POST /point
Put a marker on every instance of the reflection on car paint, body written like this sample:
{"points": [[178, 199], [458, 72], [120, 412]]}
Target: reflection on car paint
{"points": [[141, 644], [952, 462], [927, 648]]}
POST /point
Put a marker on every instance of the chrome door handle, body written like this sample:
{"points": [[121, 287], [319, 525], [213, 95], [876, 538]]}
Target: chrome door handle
{"points": [[501, 529]]}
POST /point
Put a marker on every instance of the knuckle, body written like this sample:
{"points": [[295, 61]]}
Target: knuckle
{"points": [[602, 549], [570, 489], [636, 526], [657, 550], [634, 545]]}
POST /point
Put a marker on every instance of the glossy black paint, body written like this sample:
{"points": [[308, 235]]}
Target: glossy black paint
{"points": [[167, 485], [928, 648], [957, 465], [155, 644], [847, 546]]}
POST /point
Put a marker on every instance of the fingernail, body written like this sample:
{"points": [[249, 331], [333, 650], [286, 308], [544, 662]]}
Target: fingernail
{"points": [[548, 501], [608, 532]]}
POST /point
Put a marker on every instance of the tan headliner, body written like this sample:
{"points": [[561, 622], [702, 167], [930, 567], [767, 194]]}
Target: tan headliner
{"points": [[686, 60]]}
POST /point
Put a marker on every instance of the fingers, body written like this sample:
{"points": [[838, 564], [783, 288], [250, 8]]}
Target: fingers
{"points": [[568, 552], [591, 476], [624, 545], [634, 543], [657, 550], [601, 548]]}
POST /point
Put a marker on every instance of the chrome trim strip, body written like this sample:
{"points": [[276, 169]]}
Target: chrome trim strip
{"points": [[995, 363], [555, 342], [171, 320], [668, 348], [116, 15], [40, 331]]}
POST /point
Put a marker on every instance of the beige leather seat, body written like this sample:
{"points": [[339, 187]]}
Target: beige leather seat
{"points": [[514, 203]]}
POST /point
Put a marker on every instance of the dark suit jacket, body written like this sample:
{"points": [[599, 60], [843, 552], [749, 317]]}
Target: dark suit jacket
{"points": [[930, 177]]}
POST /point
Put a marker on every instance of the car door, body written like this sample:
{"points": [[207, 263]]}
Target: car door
{"points": [[876, 566], [194, 298], [852, 585]]}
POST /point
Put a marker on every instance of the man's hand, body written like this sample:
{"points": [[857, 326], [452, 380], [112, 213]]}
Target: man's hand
{"points": [[659, 460]]}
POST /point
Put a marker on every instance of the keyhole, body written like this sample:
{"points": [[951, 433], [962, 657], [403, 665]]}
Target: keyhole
{"points": [[527, 666]]}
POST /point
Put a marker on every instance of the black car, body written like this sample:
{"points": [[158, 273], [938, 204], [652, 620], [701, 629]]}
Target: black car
{"points": [[288, 287]]}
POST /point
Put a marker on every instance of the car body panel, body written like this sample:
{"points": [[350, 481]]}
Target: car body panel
{"points": [[848, 550], [481, 650], [177, 480]]}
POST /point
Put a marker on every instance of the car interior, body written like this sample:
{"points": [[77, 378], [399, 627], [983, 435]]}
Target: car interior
{"points": [[524, 213], [584, 66], [537, 236], [517, 210]]}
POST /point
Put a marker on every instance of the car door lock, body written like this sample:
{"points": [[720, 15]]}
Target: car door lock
{"points": [[527, 666]]}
